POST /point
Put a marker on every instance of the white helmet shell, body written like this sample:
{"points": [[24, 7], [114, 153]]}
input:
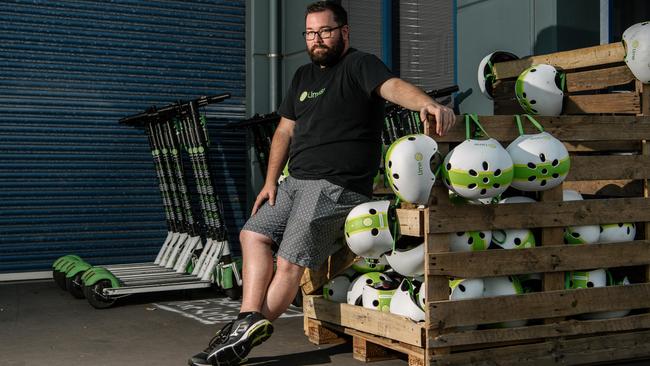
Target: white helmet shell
{"points": [[585, 279], [405, 302], [486, 72], [361, 265], [469, 241], [501, 286], [377, 298], [408, 167], [610, 314], [422, 294], [370, 229], [540, 162], [537, 91], [478, 169], [463, 289], [514, 238], [613, 233], [355, 291], [583, 234], [636, 40], [337, 289], [408, 263]]}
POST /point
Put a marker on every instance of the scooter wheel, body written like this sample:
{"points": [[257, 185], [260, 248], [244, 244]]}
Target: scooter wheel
{"points": [[233, 293], [75, 286], [59, 278], [95, 295]]}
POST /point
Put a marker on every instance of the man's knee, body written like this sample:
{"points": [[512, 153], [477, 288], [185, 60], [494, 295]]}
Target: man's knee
{"points": [[289, 269], [247, 237]]}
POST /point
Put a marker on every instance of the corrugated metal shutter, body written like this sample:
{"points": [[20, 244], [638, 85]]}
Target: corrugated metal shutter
{"points": [[364, 17], [73, 180]]}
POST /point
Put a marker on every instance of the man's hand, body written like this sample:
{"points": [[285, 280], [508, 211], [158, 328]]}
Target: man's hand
{"points": [[267, 193], [443, 117]]}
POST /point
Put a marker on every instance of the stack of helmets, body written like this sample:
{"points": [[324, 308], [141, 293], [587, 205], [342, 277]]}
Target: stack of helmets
{"points": [[583, 234], [486, 76], [477, 169], [636, 40], [514, 238], [502, 286], [371, 228], [540, 161], [411, 164], [539, 90]]}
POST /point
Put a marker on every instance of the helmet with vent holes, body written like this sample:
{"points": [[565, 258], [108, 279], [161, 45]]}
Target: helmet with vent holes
{"points": [[371, 228], [486, 75], [636, 40], [538, 90]]}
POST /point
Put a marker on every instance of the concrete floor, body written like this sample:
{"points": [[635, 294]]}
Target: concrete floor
{"points": [[42, 325]]}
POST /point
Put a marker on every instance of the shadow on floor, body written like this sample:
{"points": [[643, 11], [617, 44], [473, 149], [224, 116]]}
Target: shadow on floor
{"points": [[316, 357]]}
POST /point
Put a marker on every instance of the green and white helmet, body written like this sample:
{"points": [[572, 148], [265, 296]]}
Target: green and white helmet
{"points": [[371, 228], [478, 169], [405, 301], [636, 40], [462, 289], [585, 279], [613, 233], [514, 238], [355, 291], [486, 75], [285, 173], [362, 265], [337, 289], [539, 90], [541, 161], [408, 263], [503, 286], [610, 314], [583, 234], [469, 241], [410, 167], [378, 297]]}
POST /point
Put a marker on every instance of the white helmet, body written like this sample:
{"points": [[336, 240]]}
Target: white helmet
{"points": [[540, 161], [422, 294], [377, 297], [469, 241], [462, 289], [583, 234], [636, 40], [613, 233], [539, 91], [409, 167], [610, 314], [405, 301], [362, 265], [355, 291], [408, 263], [501, 286], [585, 279], [478, 169], [285, 173], [486, 75], [371, 228], [514, 238], [337, 289]]}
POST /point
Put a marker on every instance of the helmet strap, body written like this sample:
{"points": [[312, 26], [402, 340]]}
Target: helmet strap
{"points": [[474, 118], [531, 119]]}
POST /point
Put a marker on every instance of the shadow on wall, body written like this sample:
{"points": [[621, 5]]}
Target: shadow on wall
{"points": [[564, 38]]}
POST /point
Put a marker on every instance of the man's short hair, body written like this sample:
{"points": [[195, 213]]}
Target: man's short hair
{"points": [[340, 15]]}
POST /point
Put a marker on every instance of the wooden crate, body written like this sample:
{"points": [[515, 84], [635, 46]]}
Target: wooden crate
{"points": [[556, 337], [591, 73]]}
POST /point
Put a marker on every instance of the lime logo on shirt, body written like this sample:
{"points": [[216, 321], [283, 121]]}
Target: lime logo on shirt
{"points": [[311, 94]]}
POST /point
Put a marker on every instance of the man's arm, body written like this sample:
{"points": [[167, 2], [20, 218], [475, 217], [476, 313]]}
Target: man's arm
{"points": [[277, 159], [411, 97]]}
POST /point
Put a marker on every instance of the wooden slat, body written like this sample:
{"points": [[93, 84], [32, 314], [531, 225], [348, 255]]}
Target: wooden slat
{"points": [[560, 258], [620, 103], [366, 320], [537, 214], [313, 280], [411, 221], [607, 188], [487, 310], [560, 329], [579, 351], [567, 60], [609, 167], [598, 79]]}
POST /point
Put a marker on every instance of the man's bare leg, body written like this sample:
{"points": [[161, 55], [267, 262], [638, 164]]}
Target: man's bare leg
{"points": [[283, 289], [257, 269]]}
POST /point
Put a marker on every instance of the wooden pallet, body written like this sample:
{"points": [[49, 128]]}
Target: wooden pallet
{"points": [[590, 74], [555, 337]]}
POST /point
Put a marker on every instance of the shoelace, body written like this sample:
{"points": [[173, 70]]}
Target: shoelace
{"points": [[221, 336]]}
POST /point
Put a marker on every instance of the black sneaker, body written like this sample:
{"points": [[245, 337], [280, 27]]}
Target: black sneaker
{"points": [[234, 341]]}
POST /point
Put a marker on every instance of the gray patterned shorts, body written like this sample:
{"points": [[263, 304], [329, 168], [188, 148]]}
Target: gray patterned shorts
{"points": [[306, 220]]}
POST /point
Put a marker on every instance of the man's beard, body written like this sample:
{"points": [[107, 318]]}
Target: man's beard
{"points": [[331, 54]]}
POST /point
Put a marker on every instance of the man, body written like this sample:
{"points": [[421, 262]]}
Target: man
{"points": [[330, 132]]}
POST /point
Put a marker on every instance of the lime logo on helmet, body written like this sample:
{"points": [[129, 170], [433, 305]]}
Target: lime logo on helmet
{"points": [[367, 221], [635, 43], [418, 156], [311, 94]]}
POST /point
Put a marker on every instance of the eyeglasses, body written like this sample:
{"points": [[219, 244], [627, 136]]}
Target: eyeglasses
{"points": [[324, 33]]}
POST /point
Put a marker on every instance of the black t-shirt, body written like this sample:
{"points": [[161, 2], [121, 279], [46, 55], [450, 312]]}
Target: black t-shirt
{"points": [[338, 117]]}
